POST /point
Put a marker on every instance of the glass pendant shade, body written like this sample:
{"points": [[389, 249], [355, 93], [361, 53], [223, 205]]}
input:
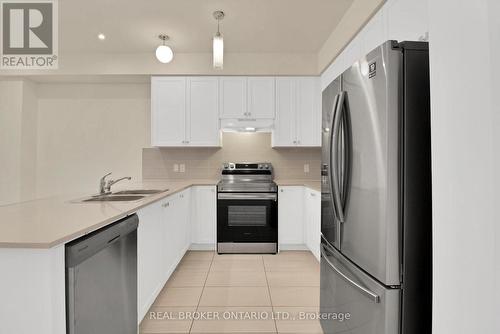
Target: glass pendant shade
{"points": [[164, 54], [218, 51]]}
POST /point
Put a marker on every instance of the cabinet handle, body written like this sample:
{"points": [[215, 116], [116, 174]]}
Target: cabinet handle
{"points": [[313, 194], [281, 190], [181, 196], [164, 205], [295, 142]]}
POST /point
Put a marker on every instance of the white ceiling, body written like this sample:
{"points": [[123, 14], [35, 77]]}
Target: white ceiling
{"points": [[250, 26]]}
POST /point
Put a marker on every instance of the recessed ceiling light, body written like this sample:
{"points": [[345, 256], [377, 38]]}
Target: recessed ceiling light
{"points": [[101, 36]]}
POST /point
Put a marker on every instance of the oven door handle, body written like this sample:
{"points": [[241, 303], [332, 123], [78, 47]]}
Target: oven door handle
{"points": [[251, 196]]}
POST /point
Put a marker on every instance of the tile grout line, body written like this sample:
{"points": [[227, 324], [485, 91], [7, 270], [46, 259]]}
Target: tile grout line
{"points": [[270, 298], [202, 290]]}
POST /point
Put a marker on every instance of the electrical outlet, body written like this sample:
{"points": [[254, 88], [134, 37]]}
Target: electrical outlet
{"points": [[182, 168], [306, 168], [176, 167]]}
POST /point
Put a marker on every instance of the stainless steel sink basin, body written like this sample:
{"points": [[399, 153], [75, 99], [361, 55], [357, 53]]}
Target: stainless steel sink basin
{"points": [[113, 198], [140, 192]]}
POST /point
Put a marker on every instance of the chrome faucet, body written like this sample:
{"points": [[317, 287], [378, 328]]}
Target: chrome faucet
{"points": [[105, 186]]}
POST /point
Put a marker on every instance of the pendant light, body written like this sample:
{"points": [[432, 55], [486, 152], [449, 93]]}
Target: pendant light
{"points": [[218, 43], [164, 53]]}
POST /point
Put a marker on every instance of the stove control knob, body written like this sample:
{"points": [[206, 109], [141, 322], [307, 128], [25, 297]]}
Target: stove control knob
{"points": [[266, 166]]}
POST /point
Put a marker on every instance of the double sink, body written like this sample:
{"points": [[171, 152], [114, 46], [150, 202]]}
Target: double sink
{"points": [[124, 196]]}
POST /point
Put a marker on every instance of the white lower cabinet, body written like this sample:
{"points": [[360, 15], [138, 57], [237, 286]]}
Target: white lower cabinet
{"points": [[163, 237], [299, 218], [312, 221], [150, 262], [290, 217], [204, 217]]}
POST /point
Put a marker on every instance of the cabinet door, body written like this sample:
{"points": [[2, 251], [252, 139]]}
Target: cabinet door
{"points": [[233, 97], [204, 218], [184, 209], [175, 230], [308, 111], [261, 97], [168, 111], [284, 133], [173, 233], [313, 221], [291, 215], [203, 111], [151, 263]]}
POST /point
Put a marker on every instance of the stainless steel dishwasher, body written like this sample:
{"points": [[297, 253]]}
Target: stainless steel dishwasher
{"points": [[101, 280]]}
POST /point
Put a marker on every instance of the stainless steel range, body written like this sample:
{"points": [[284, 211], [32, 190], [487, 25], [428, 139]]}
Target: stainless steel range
{"points": [[247, 209]]}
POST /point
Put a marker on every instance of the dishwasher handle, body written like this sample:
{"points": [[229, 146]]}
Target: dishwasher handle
{"points": [[85, 247]]}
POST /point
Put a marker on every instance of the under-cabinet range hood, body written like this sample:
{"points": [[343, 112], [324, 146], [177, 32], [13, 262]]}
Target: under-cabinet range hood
{"points": [[247, 125]]}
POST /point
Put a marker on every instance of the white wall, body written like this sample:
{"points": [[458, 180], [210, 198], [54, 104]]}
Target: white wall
{"points": [[494, 31], [87, 130], [464, 53], [17, 140], [28, 135], [10, 125], [397, 20]]}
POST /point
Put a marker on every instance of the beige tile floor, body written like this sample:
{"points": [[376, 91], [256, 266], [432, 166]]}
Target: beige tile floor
{"points": [[210, 293]]}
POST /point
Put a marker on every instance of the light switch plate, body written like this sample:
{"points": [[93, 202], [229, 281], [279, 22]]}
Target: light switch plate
{"points": [[176, 167], [306, 168], [182, 168]]}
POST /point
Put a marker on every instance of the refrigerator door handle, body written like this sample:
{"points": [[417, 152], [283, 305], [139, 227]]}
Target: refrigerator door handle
{"points": [[346, 161], [330, 162], [372, 295], [335, 174]]}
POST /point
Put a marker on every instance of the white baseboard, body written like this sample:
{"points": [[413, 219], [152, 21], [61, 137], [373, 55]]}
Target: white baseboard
{"points": [[202, 247], [285, 247]]}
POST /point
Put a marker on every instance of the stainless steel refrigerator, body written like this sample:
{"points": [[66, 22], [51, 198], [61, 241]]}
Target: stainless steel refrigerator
{"points": [[376, 221]]}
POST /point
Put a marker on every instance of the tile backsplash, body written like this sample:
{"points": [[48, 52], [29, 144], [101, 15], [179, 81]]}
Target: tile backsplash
{"points": [[205, 163]]}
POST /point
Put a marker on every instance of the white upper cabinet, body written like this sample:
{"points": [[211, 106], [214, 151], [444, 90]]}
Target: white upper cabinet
{"points": [[233, 97], [184, 111], [261, 97], [308, 111], [168, 111], [203, 111], [298, 116], [247, 97], [284, 133], [188, 111]]}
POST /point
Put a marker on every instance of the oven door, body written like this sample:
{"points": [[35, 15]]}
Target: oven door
{"points": [[247, 222]]}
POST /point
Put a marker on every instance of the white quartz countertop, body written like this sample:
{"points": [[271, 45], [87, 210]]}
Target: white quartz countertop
{"points": [[49, 222], [312, 184]]}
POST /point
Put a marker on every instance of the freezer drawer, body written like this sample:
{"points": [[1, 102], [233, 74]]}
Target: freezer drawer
{"points": [[366, 306]]}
